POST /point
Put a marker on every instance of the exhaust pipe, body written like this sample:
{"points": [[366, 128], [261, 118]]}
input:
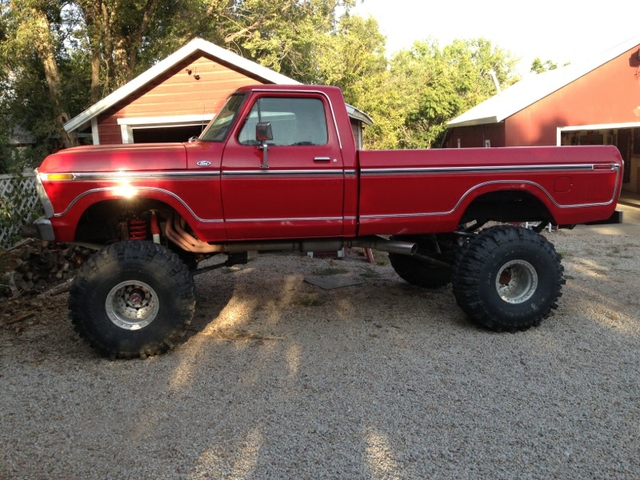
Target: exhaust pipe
{"points": [[377, 243], [175, 231], [384, 245]]}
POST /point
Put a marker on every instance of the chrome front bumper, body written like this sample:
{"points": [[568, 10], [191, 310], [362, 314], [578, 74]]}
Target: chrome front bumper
{"points": [[45, 229]]}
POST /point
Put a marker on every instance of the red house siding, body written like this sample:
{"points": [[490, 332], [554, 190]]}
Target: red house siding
{"points": [[197, 86], [476, 136]]}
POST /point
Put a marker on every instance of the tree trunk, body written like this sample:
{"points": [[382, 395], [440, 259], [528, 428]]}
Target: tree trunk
{"points": [[46, 52], [94, 15]]}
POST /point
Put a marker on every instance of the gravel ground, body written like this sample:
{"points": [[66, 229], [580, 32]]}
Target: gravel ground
{"points": [[281, 379]]}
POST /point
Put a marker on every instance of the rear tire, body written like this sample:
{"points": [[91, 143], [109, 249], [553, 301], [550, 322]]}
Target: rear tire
{"points": [[132, 299], [508, 278]]}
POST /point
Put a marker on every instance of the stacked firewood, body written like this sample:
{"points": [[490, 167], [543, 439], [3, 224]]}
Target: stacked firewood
{"points": [[34, 266]]}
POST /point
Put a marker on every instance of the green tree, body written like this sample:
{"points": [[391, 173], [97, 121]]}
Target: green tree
{"points": [[33, 38], [538, 66], [60, 56], [438, 84], [57, 57], [350, 54], [284, 35]]}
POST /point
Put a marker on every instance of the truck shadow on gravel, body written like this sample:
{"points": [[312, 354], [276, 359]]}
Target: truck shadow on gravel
{"points": [[267, 300]]}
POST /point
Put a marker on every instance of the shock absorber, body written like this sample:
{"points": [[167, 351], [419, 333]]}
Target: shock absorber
{"points": [[155, 227], [137, 229]]}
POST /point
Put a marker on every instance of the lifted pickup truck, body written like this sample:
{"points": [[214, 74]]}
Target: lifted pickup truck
{"points": [[278, 169]]}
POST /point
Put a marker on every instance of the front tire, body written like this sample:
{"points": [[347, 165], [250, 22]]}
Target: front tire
{"points": [[508, 278], [132, 299]]}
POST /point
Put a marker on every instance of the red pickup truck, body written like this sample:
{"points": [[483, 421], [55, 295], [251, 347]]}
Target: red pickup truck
{"points": [[278, 169]]}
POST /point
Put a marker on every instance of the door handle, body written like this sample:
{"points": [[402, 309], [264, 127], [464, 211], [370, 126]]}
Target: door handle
{"points": [[322, 159]]}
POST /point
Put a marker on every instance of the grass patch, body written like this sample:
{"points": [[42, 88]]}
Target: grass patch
{"points": [[325, 272], [369, 273], [310, 302], [381, 262]]}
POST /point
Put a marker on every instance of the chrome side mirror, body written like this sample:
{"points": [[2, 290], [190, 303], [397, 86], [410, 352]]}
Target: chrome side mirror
{"points": [[263, 135]]}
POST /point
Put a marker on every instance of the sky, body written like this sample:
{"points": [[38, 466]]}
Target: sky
{"points": [[558, 30]]}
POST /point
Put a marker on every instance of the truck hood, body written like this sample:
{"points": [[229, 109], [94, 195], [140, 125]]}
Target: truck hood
{"points": [[110, 158]]}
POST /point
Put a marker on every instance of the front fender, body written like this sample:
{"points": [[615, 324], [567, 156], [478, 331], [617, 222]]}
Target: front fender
{"points": [[194, 200]]}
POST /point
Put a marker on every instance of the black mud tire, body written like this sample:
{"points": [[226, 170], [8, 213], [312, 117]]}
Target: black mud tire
{"points": [[508, 278], [420, 273], [132, 299]]}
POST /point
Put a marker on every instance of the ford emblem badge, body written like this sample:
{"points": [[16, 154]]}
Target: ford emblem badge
{"points": [[203, 163]]}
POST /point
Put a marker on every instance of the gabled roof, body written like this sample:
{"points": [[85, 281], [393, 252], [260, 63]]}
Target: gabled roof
{"points": [[221, 54], [358, 114], [534, 88]]}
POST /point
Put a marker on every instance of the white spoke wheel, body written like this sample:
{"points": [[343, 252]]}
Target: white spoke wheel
{"points": [[132, 299], [507, 278]]}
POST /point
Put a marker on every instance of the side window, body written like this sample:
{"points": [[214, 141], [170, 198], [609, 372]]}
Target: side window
{"points": [[294, 121]]}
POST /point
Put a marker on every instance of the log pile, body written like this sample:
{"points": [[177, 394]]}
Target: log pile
{"points": [[34, 266]]}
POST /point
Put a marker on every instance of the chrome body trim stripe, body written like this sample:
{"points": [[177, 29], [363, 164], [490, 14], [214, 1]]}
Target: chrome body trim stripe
{"points": [[285, 219], [120, 176], [483, 169], [199, 219], [146, 189], [286, 173], [199, 174], [484, 184]]}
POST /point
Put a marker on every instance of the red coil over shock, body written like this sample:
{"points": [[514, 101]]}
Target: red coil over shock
{"points": [[137, 229]]}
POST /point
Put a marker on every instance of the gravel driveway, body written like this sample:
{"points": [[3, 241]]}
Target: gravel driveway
{"points": [[281, 379]]}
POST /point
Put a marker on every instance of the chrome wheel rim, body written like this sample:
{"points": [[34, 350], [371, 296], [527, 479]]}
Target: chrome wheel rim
{"points": [[132, 305], [516, 281]]}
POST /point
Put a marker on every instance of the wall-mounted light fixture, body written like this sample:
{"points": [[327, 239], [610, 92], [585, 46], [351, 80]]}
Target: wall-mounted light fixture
{"points": [[194, 72]]}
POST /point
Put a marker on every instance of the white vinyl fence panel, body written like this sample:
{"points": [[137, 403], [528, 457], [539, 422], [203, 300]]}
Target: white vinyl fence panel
{"points": [[19, 205]]}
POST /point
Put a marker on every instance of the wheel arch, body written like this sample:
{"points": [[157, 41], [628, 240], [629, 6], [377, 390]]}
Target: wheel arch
{"points": [[508, 204], [99, 220]]}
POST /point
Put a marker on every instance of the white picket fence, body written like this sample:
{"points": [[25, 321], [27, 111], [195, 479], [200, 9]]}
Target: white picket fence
{"points": [[19, 205]]}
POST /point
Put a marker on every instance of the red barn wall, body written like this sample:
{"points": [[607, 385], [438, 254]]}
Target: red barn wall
{"points": [[607, 95]]}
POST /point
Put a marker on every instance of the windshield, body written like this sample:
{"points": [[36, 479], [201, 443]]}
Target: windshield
{"points": [[219, 127]]}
